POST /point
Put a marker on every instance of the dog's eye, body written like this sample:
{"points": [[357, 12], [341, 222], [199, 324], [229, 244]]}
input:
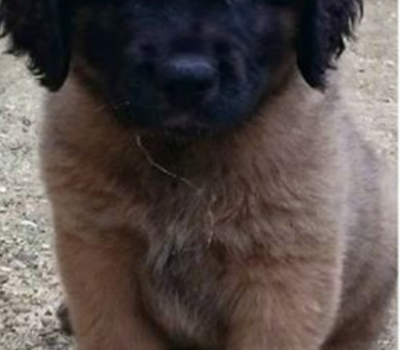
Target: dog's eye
{"points": [[269, 2], [235, 2], [99, 2], [281, 2]]}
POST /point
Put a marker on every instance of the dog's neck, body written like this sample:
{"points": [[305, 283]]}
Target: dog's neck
{"points": [[278, 134], [266, 165]]}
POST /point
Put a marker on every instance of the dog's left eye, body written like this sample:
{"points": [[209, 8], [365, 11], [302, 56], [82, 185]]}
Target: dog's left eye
{"points": [[269, 2], [281, 2]]}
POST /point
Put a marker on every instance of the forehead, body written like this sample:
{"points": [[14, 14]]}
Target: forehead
{"points": [[169, 16], [150, 9], [182, 3]]}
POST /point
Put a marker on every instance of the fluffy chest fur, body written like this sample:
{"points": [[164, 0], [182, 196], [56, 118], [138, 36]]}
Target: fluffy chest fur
{"points": [[182, 290], [216, 206], [185, 268]]}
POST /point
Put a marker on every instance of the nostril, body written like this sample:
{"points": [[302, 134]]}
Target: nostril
{"points": [[147, 49], [187, 78], [222, 48]]}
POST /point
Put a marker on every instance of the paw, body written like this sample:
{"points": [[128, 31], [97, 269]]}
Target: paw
{"points": [[64, 320]]}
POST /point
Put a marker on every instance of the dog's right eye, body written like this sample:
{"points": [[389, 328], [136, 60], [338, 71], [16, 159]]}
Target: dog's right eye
{"points": [[98, 2], [281, 2]]}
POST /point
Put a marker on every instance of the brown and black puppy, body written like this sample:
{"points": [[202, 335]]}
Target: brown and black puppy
{"points": [[208, 189]]}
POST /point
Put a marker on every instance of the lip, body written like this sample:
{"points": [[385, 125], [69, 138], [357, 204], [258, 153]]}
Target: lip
{"points": [[184, 121], [185, 126]]}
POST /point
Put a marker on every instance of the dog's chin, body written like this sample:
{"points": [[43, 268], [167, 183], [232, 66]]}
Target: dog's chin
{"points": [[189, 131], [183, 132], [181, 125]]}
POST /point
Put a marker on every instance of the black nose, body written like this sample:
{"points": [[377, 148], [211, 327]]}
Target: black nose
{"points": [[187, 80]]}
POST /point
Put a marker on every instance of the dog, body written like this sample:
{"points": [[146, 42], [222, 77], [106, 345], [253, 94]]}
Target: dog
{"points": [[208, 187]]}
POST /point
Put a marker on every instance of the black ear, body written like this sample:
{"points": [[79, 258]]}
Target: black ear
{"points": [[324, 27], [40, 30]]}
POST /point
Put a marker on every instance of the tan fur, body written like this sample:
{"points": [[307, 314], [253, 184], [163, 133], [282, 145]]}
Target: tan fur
{"points": [[278, 236]]}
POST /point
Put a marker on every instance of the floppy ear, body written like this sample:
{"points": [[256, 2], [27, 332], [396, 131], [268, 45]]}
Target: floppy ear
{"points": [[324, 27], [40, 30]]}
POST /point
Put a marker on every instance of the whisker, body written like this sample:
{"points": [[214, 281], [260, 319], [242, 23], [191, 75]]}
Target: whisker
{"points": [[159, 167], [115, 105]]}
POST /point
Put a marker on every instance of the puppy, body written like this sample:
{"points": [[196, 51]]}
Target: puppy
{"points": [[209, 191]]}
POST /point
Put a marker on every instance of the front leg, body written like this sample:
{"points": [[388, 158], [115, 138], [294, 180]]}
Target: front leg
{"points": [[284, 306], [102, 297]]}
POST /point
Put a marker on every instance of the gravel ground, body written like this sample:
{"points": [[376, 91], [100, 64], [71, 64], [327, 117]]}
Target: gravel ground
{"points": [[29, 289]]}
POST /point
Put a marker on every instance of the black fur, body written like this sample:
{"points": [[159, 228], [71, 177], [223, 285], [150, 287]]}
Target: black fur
{"points": [[246, 42], [125, 42], [40, 30], [324, 27]]}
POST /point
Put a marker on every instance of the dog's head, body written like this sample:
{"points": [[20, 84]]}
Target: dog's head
{"points": [[180, 65]]}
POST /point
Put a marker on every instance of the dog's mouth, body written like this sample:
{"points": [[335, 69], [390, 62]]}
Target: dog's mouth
{"points": [[179, 123], [185, 124]]}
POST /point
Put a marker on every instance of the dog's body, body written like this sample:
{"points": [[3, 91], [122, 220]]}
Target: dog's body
{"points": [[277, 234], [264, 238]]}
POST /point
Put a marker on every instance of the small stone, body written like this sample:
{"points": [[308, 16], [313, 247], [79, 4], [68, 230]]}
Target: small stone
{"points": [[4, 278], [26, 121], [15, 146], [29, 223], [5, 269], [46, 320]]}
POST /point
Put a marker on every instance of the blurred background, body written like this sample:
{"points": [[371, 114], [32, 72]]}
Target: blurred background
{"points": [[29, 289]]}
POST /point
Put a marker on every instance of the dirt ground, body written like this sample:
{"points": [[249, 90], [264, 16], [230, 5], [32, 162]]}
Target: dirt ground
{"points": [[29, 288]]}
